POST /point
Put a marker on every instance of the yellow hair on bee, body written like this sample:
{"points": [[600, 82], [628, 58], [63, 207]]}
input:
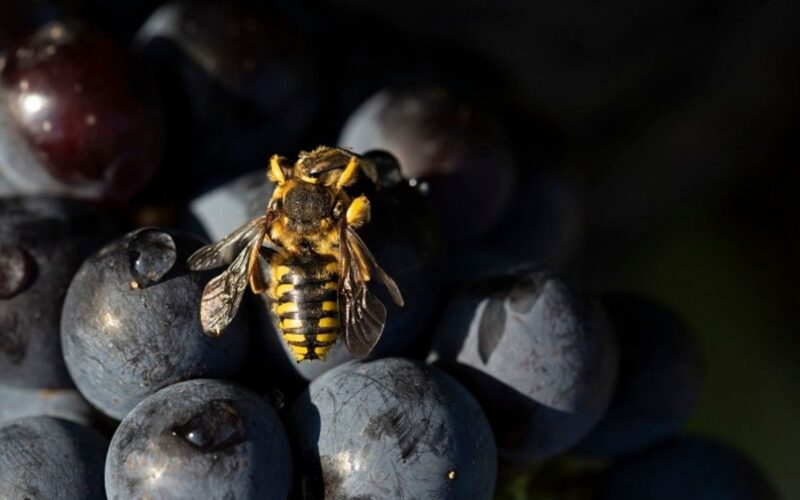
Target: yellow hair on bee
{"points": [[275, 173]]}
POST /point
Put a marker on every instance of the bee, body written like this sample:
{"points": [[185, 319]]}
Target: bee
{"points": [[305, 253]]}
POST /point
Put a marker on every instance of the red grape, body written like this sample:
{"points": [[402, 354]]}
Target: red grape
{"points": [[75, 116]]}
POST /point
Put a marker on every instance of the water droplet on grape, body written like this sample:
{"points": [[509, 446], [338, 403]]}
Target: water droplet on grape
{"points": [[216, 427], [16, 270], [152, 255]]}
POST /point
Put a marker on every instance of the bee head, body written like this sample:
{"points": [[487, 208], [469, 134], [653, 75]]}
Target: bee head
{"points": [[307, 203]]}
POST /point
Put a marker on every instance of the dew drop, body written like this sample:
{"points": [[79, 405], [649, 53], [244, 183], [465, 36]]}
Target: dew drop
{"points": [[152, 255], [16, 270], [217, 426], [197, 437], [451, 475]]}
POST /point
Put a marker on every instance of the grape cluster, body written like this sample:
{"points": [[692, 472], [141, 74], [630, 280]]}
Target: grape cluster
{"points": [[133, 132]]}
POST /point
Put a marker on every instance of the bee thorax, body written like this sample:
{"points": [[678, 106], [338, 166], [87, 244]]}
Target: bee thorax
{"points": [[307, 203]]}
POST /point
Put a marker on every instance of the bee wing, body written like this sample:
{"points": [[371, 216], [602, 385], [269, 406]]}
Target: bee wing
{"points": [[364, 316], [223, 294], [359, 249], [260, 274], [220, 253], [362, 313]]}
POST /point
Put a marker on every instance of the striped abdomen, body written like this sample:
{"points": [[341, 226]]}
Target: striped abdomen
{"points": [[305, 302]]}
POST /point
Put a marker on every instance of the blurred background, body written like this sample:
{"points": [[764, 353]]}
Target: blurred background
{"points": [[676, 124], [658, 135]]}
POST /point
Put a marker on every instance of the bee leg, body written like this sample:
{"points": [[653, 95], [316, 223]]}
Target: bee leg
{"points": [[275, 173], [254, 268], [358, 212], [349, 173], [257, 282], [256, 276]]}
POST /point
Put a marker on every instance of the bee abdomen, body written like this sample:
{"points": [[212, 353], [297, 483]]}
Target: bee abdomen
{"points": [[307, 308]]}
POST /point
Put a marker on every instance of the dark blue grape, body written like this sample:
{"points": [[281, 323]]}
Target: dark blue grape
{"points": [[458, 149], [42, 243], [391, 428], [200, 439], [219, 211], [689, 468], [18, 402], [131, 322], [543, 220], [45, 457], [6, 189], [661, 374], [539, 357], [238, 84]]}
